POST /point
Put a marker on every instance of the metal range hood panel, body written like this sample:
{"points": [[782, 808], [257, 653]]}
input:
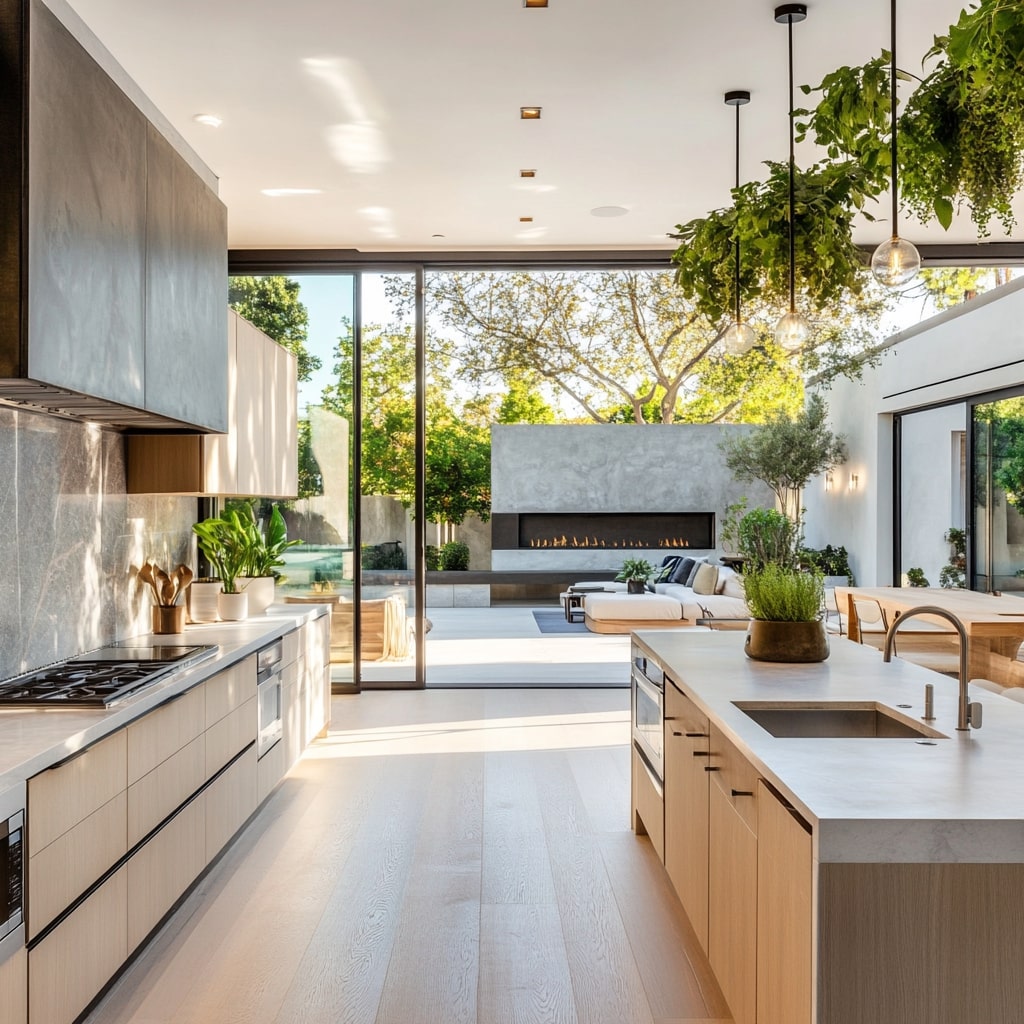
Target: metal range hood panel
{"points": [[113, 251]]}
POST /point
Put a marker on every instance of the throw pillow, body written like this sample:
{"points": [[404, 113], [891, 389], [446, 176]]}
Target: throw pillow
{"points": [[697, 563], [734, 587], [664, 571], [706, 579], [724, 572], [682, 570]]}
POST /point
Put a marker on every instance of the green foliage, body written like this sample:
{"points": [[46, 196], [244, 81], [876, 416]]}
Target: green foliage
{"points": [[523, 403], [432, 556], [272, 304], [634, 569], [829, 561], [311, 477], [776, 593], [383, 556], [267, 546], [226, 543], [954, 574], [767, 537], [454, 556], [916, 577], [786, 452], [729, 529]]}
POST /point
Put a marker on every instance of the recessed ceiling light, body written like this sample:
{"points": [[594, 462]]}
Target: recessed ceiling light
{"points": [[535, 3], [529, 113], [609, 211], [277, 192], [210, 120], [525, 220], [527, 173]]}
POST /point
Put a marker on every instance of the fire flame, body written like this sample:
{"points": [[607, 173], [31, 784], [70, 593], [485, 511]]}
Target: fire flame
{"points": [[594, 542]]}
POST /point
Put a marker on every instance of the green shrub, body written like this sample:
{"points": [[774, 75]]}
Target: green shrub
{"points": [[916, 577], [383, 556], [779, 594], [767, 537], [454, 556], [829, 561], [432, 556]]}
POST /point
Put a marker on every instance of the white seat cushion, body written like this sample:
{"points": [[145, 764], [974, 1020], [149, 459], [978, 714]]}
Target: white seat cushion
{"points": [[632, 606]]}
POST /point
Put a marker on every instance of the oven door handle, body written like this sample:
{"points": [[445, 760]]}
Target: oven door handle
{"points": [[651, 689]]}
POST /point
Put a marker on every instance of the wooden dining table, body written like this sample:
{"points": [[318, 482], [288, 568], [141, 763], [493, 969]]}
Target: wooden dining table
{"points": [[994, 624]]}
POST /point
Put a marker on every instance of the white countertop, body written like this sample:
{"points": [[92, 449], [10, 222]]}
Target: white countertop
{"points": [[33, 738], [881, 800]]}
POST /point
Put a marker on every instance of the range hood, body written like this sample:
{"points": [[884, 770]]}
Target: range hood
{"points": [[113, 251]]}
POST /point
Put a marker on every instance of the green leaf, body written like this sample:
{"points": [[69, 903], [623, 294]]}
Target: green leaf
{"points": [[944, 212]]}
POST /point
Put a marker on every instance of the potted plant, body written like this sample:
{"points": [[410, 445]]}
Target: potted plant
{"points": [[786, 607], [635, 572], [265, 550], [226, 543]]}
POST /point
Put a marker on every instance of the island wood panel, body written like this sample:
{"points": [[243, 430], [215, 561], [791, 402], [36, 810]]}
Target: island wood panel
{"points": [[165, 788], [62, 871], [164, 868], [933, 943], [76, 959], [164, 731], [785, 923], [648, 806], [732, 906], [735, 776], [225, 738], [14, 988], [59, 798]]}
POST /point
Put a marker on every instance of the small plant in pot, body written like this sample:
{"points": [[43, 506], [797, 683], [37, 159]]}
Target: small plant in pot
{"points": [[225, 543], [635, 572], [265, 550], [786, 608]]}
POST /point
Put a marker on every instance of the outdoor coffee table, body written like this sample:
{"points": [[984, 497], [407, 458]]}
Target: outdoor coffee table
{"points": [[572, 603]]}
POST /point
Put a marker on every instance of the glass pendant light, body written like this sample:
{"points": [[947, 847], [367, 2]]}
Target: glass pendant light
{"points": [[792, 330], [739, 337], [894, 263]]}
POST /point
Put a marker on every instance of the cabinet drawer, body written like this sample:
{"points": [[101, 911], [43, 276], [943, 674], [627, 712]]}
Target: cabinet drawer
{"points": [[648, 805], [62, 871], [229, 801], [61, 797], [165, 788], [163, 869], [14, 988], [163, 732], [73, 962], [290, 644], [270, 770], [684, 714], [229, 689], [736, 777], [231, 734]]}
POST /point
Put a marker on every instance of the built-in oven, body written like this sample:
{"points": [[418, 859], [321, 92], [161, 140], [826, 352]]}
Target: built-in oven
{"points": [[12, 872], [648, 714], [268, 696]]}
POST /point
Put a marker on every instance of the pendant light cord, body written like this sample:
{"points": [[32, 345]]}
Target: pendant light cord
{"points": [[792, 189], [737, 236], [892, 103]]}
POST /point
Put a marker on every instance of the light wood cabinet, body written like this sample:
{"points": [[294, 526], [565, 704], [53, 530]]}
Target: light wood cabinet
{"points": [[258, 456], [164, 868], [14, 988], [785, 925], [224, 739], [648, 805], [158, 793], [687, 752], [229, 800], [73, 962], [229, 689], [163, 732], [732, 906]]}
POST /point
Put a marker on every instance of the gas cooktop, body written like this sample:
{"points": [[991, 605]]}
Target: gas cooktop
{"points": [[100, 678]]}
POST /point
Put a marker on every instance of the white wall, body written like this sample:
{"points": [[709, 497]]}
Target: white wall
{"points": [[974, 349]]}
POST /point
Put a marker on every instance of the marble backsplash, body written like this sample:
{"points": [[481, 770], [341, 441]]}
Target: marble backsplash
{"points": [[71, 540]]}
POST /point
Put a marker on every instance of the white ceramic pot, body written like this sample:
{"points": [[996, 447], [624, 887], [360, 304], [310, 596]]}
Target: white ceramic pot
{"points": [[233, 607], [202, 600], [260, 590]]}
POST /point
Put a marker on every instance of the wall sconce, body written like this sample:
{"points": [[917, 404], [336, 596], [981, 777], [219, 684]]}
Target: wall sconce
{"points": [[854, 481], [828, 482]]}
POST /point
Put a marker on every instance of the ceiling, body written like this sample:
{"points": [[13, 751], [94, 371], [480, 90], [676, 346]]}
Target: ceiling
{"points": [[405, 113]]}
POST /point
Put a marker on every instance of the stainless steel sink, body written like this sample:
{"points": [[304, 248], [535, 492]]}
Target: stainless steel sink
{"points": [[825, 720]]}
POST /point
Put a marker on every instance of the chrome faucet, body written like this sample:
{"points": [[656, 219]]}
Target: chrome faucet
{"points": [[966, 710]]}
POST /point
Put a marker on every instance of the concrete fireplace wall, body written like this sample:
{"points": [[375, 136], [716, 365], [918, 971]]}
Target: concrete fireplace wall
{"points": [[72, 540], [611, 468]]}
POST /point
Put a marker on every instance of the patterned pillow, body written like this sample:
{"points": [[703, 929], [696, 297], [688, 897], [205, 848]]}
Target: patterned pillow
{"points": [[664, 571]]}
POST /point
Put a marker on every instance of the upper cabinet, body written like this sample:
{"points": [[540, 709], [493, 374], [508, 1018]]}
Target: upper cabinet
{"points": [[113, 261], [257, 457]]}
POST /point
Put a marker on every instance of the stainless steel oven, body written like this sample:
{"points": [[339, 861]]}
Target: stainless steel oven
{"points": [[648, 698], [12, 871], [268, 697]]}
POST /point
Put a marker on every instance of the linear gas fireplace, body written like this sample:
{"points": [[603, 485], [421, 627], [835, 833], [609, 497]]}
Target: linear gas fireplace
{"points": [[602, 530]]}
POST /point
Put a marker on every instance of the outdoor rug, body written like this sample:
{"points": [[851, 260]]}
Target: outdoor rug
{"points": [[553, 621]]}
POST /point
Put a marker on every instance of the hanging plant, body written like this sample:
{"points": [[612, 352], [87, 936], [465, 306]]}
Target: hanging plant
{"points": [[828, 263]]}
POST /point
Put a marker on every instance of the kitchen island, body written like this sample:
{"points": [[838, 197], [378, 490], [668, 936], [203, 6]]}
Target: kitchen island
{"points": [[126, 806], [831, 878]]}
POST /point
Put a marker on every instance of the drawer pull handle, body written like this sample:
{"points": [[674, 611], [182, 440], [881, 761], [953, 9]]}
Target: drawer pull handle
{"points": [[712, 768], [674, 733], [697, 735], [742, 792], [702, 753]]}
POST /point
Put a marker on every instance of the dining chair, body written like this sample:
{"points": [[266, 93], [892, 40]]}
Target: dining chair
{"points": [[871, 621]]}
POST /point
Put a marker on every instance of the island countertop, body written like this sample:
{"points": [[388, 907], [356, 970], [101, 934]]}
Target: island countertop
{"points": [[34, 738], [869, 800]]}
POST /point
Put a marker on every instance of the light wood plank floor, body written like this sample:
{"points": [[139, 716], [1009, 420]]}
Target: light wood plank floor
{"points": [[440, 857]]}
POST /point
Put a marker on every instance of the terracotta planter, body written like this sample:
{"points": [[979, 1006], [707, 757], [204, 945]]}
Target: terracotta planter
{"points": [[202, 600], [260, 590], [233, 607], [168, 619], [786, 641]]}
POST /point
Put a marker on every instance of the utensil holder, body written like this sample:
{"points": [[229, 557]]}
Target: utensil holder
{"points": [[169, 619]]}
